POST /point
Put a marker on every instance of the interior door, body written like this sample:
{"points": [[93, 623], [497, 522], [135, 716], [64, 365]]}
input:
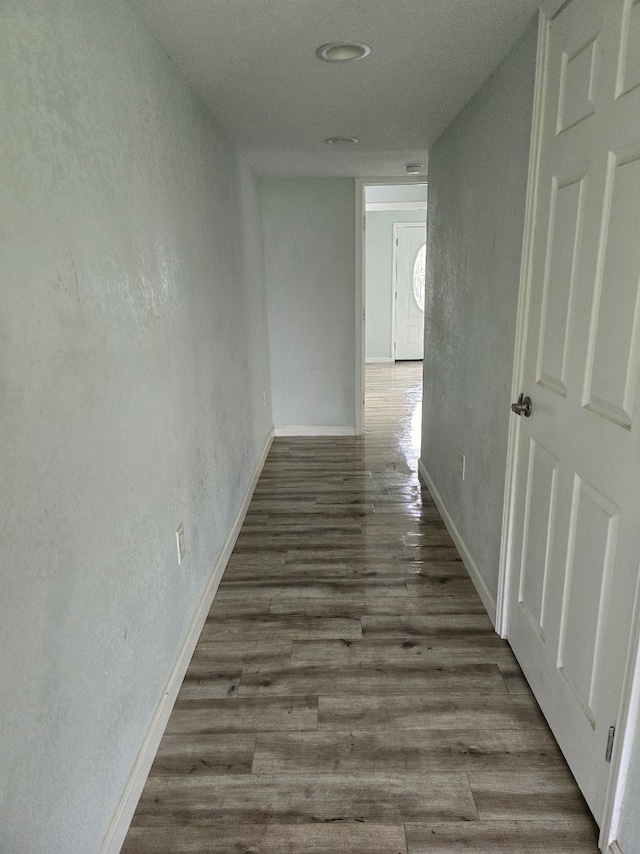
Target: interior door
{"points": [[409, 266], [576, 535]]}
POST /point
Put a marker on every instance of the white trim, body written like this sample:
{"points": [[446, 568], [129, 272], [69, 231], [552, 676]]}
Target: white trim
{"points": [[398, 179], [506, 568], [487, 597], [117, 831], [614, 848], [370, 207], [360, 307], [315, 431], [373, 360]]}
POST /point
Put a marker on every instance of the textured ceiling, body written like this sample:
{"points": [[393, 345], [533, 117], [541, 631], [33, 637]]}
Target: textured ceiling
{"points": [[253, 62]]}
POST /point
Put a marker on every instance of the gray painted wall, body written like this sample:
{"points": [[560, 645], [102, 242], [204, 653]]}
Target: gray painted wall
{"points": [[629, 832], [396, 193], [133, 354], [477, 190], [378, 279], [309, 237]]}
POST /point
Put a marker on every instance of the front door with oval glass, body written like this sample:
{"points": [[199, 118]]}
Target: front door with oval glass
{"points": [[410, 251]]}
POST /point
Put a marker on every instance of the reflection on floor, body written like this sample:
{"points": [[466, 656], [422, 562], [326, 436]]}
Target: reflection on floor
{"points": [[348, 693]]}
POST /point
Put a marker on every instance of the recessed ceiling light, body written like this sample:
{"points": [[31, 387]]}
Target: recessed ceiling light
{"points": [[342, 51], [414, 168], [341, 140]]}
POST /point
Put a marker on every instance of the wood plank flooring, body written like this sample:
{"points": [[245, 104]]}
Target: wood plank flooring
{"points": [[348, 694]]}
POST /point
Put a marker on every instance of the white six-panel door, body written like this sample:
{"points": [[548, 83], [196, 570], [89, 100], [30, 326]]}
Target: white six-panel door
{"points": [[409, 254], [576, 535]]}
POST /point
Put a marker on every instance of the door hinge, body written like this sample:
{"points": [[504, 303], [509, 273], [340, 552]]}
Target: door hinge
{"points": [[610, 738]]}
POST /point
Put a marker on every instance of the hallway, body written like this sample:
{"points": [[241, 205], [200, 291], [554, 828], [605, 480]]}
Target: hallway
{"points": [[348, 692]]}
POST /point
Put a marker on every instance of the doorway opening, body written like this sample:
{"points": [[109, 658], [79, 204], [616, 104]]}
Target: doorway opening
{"points": [[390, 283]]}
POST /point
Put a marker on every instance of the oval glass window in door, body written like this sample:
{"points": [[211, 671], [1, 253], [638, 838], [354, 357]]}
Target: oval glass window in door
{"points": [[418, 277]]}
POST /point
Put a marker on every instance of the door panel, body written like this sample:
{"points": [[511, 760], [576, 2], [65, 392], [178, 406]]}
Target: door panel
{"points": [[576, 535], [542, 491], [629, 56], [564, 247], [409, 314], [577, 83], [590, 556], [610, 385]]}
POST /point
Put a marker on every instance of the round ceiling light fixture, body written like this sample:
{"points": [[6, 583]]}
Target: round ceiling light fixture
{"points": [[342, 51], [342, 140], [414, 168]]}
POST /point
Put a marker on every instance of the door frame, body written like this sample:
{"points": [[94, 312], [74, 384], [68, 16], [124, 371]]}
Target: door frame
{"points": [[360, 269], [629, 710], [394, 280]]}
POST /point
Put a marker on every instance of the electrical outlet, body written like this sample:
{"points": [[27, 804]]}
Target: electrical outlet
{"points": [[463, 466], [182, 549]]}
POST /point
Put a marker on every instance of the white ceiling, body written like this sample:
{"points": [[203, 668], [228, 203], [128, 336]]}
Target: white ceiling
{"points": [[253, 62]]}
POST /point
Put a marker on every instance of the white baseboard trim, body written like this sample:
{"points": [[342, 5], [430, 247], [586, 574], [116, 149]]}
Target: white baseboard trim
{"points": [[123, 815], [315, 431], [614, 848], [374, 360], [487, 597]]}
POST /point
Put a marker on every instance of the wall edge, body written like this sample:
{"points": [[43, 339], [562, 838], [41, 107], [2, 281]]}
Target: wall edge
{"points": [[487, 597]]}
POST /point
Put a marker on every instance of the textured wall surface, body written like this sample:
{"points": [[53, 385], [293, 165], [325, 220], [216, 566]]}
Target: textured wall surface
{"points": [[477, 191], [309, 238], [378, 279], [397, 192], [133, 356], [629, 832]]}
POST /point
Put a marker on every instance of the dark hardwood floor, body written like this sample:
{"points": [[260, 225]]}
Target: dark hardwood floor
{"points": [[348, 694]]}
